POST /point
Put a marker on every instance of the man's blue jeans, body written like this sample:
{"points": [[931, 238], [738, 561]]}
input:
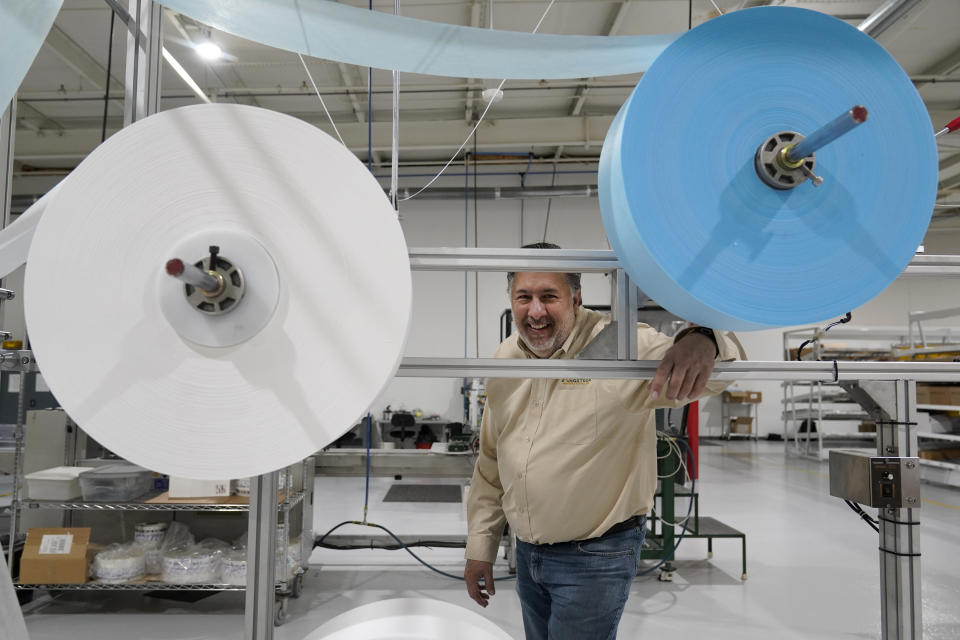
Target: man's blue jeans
{"points": [[577, 590]]}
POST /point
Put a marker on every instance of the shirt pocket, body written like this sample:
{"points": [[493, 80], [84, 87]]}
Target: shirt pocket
{"points": [[571, 416], [613, 419]]}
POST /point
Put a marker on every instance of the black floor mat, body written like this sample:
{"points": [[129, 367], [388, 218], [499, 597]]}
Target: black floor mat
{"points": [[423, 493]]}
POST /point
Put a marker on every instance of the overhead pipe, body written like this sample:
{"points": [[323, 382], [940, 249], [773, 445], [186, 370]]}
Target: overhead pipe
{"points": [[503, 193]]}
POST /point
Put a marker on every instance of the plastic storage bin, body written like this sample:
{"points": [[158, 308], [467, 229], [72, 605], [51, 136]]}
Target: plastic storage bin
{"points": [[58, 483], [115, 483]]}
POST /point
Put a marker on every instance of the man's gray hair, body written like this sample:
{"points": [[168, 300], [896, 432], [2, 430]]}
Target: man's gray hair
{"points": [[573, 279]]}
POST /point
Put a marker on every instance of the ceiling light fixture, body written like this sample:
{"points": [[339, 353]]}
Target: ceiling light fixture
{"points": [[208, 50]]}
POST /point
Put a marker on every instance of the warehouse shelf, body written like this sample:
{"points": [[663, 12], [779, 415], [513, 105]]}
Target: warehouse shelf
{"points": [[938, 407], [940, 464], [940, 436], [144, 585], [287, 504], [813, 414], [828, 397]]}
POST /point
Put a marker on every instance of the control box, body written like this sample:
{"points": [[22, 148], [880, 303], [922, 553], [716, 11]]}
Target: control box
{"points": [[876, 481]]}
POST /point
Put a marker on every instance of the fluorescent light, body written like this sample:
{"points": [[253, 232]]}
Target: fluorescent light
{"points": [[183, 74], [208, 50]]}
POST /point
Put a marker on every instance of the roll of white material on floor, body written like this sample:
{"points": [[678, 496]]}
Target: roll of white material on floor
{"points": [[411, 618], [316, 333]]}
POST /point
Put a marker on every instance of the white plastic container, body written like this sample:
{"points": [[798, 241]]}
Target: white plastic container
{"points": [[58, 483], [115, 483]]}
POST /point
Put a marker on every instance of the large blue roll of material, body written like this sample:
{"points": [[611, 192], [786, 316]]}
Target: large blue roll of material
{"points": [[701, 233]]}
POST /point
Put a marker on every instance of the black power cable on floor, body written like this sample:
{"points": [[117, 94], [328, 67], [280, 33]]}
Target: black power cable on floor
{"points": [[400, 545]]}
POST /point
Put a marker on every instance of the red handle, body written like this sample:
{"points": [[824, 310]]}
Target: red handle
{"points": [[953, 125]]}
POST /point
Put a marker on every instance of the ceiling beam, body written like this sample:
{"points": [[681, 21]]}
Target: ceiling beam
{"points": [[32, 119], [948, 163], [613, 27], [945, 66], [358, 113], [438, 136], [77, 58], [476, 11]]}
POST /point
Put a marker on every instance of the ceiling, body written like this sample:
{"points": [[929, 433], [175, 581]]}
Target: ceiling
{"points": [[61, 103]]}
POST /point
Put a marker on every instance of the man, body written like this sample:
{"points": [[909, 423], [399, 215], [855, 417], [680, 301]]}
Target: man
{"points": [[571, 463]]}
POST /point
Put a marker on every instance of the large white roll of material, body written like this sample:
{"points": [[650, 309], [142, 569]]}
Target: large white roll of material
{"points": [[410, 618], [312, 338]]}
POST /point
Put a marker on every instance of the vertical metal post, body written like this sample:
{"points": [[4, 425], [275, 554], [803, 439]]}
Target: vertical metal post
{"points": [[261, 558], [395, 147], [623, 308], [8, 128], [306, 511], [19, 437], [900, 604], [144, 60]]}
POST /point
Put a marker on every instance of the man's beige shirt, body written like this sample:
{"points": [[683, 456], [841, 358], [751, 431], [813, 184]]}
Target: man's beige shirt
{"points": [[566, 459]]}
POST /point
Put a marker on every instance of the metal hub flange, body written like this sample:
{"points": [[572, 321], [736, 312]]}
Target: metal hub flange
{"points": [[773, 167]]}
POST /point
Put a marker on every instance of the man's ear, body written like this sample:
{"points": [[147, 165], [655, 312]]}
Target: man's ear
{"points": [[576, 299]]}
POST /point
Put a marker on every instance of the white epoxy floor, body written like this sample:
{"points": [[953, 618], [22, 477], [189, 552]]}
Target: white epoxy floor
{"points": [[812, 564]]}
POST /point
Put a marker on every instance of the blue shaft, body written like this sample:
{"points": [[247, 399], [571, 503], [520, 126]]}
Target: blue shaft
{"points": [[827, 133]]}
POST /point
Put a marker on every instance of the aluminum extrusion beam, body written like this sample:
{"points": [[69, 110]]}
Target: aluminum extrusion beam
{"points": [[261, 558], [901, 604], [144, 59], [483, 259], [591, 261], [8, 134], [825, 371]]}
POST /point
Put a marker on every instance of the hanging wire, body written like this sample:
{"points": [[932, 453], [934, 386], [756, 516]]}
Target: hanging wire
{"points": [[553, 183], [106, 91], [475, 126], [845, 319], [324, 104]]}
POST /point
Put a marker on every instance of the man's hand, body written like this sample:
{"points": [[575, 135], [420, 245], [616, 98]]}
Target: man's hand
{"points": [[479, 578], [687, 366]]}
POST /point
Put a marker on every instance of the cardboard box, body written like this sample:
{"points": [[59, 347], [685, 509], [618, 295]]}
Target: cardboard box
{"points": [[954, 393], [187, 488], [55, 556], [939, 454], [741, 424], [939, 395], [749, 397], [923, 394]]}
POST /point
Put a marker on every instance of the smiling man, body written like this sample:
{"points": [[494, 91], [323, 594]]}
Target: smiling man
{"points": [[571, 463]]}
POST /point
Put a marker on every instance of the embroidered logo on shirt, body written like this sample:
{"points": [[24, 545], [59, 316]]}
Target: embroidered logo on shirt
{"points": [[579, 382]]}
